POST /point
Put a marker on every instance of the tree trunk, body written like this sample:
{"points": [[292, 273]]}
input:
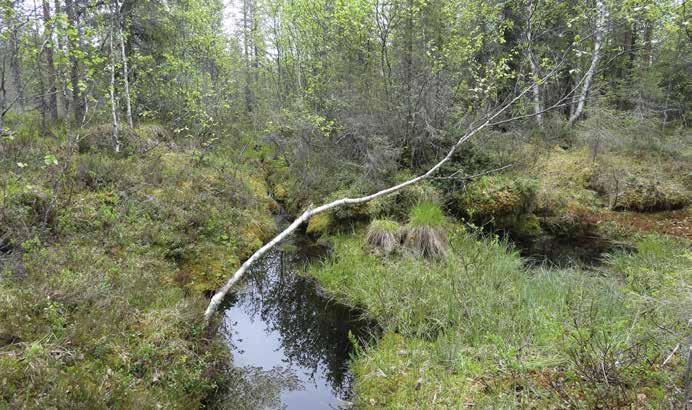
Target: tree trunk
{"points": [[52, 104], [74, 44], [595, 56], [15, 62], [111, 89], [648, 54], [126, 71], [3, 90], [535, 69], [249, 97]]}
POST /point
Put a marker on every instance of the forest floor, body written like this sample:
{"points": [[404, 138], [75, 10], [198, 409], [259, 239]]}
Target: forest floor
{"points": [[105, 260]]}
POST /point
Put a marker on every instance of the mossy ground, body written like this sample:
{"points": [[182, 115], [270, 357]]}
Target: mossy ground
{"points": [[104, 259]]}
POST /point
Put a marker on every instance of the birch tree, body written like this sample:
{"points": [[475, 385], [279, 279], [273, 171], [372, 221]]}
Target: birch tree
{"points": [[111, 88], [50, 65], [595, 57], [126, 70]]}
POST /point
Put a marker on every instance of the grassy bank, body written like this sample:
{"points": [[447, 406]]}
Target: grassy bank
{"points": [[104, 261], [477, 328]]}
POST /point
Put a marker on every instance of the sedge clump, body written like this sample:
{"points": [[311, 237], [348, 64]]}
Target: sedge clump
{"points": [[426, 232], [383, 236]]}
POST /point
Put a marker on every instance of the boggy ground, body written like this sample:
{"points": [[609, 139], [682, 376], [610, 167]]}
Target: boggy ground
{"points": [[104, 263], [480, 327]]}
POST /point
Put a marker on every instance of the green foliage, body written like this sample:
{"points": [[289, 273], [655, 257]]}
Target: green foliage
{"points": [[493, 197], [319, 224], [427, 214], [477, 327], [399, 204]]}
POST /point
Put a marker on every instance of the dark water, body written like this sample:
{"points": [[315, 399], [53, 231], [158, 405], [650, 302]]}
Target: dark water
{"points": [[585, 249], [290, 343]]}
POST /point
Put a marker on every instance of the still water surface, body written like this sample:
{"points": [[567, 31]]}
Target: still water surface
{"points": [[289, 341]]}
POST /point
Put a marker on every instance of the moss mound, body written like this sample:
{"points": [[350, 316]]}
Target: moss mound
{"points": [[632, 192], [494, 197]]}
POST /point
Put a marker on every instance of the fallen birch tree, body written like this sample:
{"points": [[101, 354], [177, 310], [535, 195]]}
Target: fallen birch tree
{"points": [[310, 212]]}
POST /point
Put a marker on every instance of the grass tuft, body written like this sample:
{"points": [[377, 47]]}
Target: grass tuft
{"points": [[383, 236], [425, 233]]}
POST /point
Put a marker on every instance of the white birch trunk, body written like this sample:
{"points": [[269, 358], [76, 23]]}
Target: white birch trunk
{"points": [[126, 80], [595, 56], [111, 88], [535, 69], [536, 91]]}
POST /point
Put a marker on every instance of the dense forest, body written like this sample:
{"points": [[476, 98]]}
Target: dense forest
{"points": [[500, 189]]}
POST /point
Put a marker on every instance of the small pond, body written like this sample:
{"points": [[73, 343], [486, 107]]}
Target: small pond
{"points": [[289, 341]]}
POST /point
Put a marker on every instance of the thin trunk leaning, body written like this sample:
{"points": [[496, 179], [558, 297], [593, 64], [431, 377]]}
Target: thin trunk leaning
{"points": [[595, 56]]}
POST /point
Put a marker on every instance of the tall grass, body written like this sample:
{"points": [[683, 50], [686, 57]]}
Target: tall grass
{"points": [[478, 327], [383, 236]]}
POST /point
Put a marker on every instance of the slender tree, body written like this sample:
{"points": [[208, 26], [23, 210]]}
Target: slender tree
{"points": [[595, 57], [74, 39], [52, 104]]}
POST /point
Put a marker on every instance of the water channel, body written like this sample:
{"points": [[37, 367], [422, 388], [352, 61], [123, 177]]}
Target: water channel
{"points": [[290, 342]]}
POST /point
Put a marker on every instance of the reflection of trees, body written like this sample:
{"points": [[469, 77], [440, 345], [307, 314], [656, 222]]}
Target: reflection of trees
{"points": [[255, 388], [314, 330]]}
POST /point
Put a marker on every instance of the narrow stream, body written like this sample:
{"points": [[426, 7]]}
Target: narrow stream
{"points": [[291, 343]]}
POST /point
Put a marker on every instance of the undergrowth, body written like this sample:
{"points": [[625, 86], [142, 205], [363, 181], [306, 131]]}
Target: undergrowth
{"points": [[104, 259]]}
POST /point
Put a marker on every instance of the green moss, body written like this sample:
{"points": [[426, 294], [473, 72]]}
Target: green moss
{"points": [[102, 307], [528, 225], [320, 224], [493, 197], [647, 195], [564, 177]]}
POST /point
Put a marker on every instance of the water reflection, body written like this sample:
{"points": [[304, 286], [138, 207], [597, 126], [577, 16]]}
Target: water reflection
{"points": [[290, 337]]}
